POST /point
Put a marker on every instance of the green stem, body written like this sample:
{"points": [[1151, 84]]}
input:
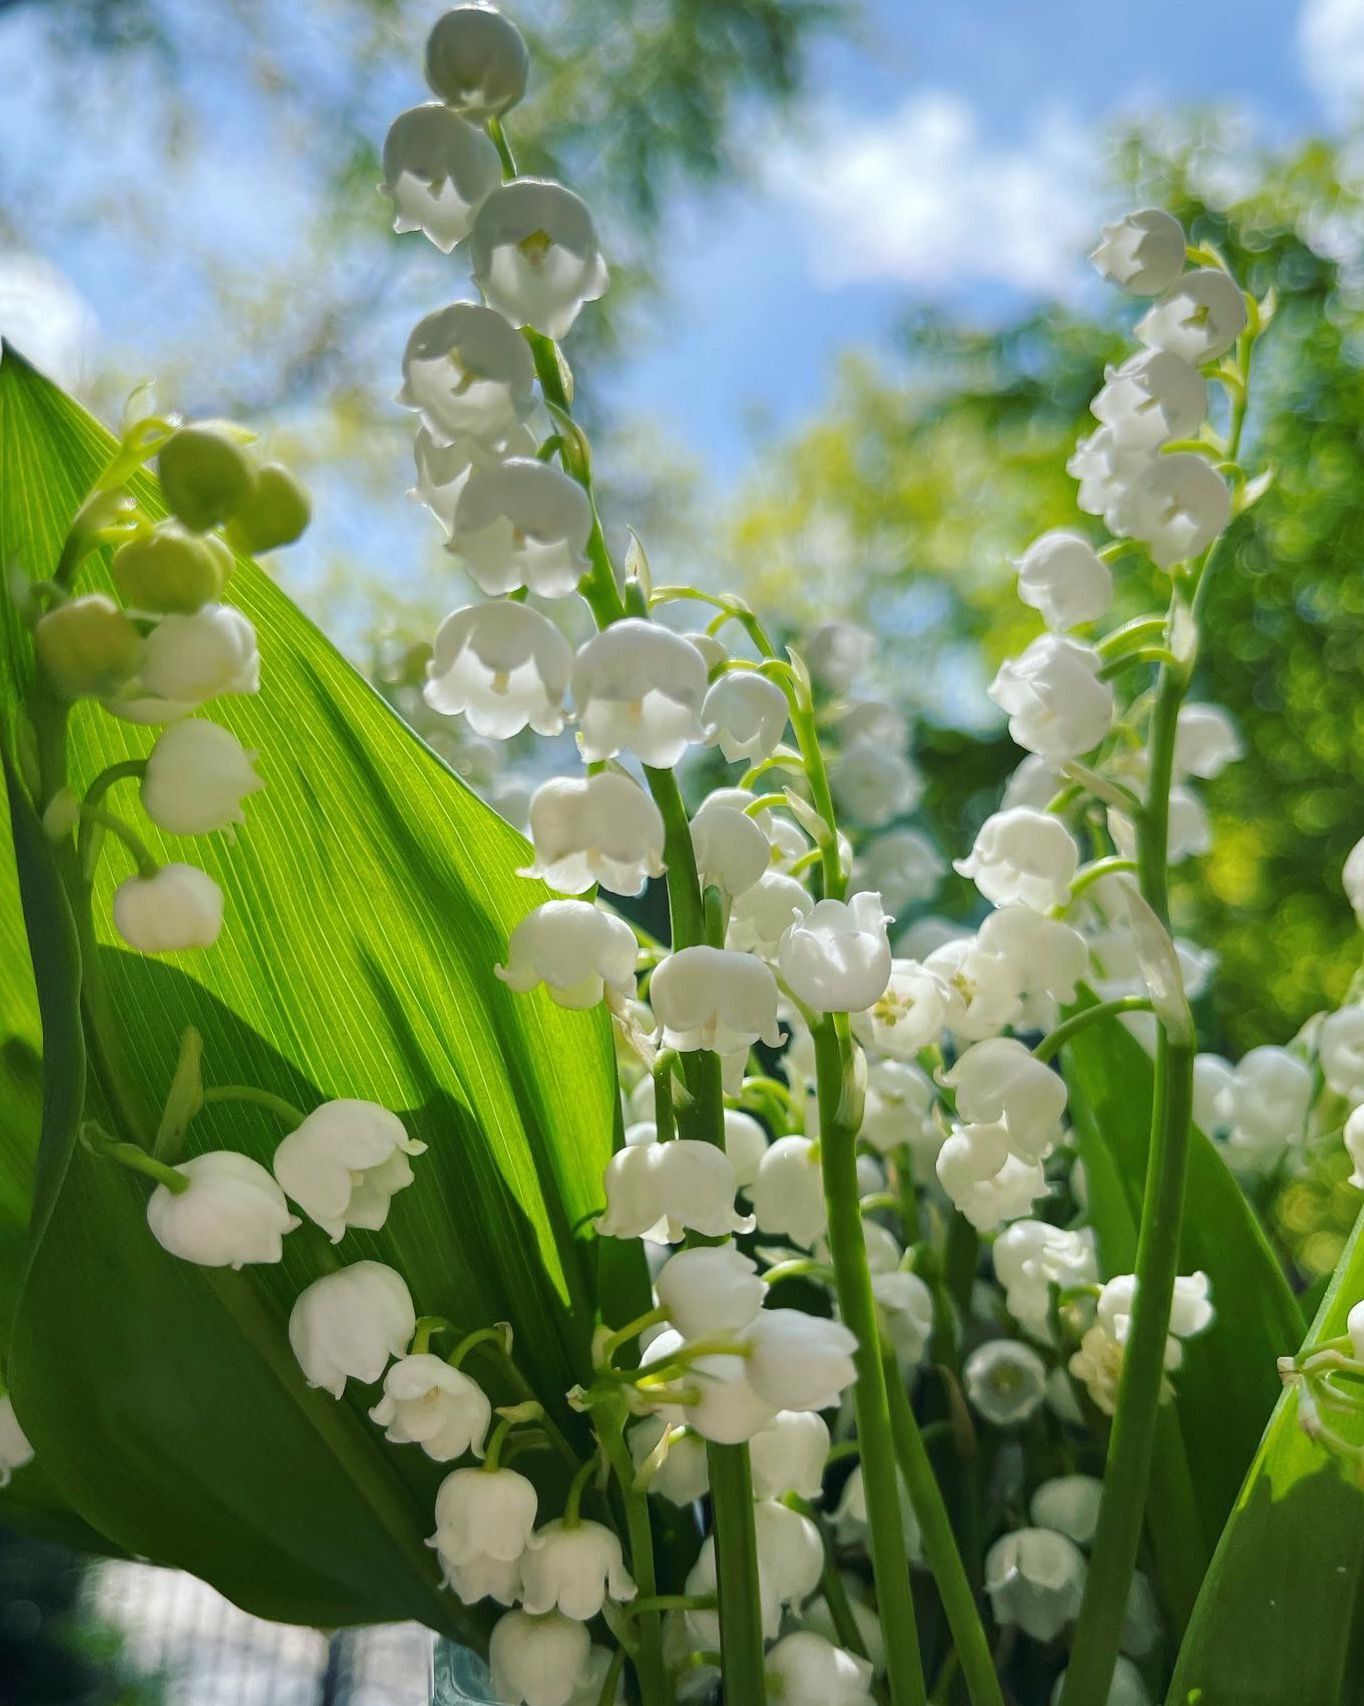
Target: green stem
{"points": [[146, 865], [292, 1117], [940, 1546], [1057, 1039], [1095, 873], [650, 1670], [124, 770], [134, 1156], [857, 1306], [576, 1488]]}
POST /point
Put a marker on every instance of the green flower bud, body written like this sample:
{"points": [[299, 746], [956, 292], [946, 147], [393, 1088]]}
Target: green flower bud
{"points": [[204, 473], [171, 569], [476, 61], [274, 512], [88, 646]]}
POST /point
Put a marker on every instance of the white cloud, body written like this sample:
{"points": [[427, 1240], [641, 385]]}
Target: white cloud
{"points": [[922, 197], [1331, 45], [45, 317]]}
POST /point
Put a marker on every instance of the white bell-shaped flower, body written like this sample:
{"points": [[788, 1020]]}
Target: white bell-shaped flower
{"points": [[850, 1516], [1035, 782], [1191, 1310], [533, 253], [476, 61], [985, 1179], [1354, 1146], [348, 1325], [197, 775], [438, 169], [522, 523], [468, 373], [481, 1578], [1340, 1050], [1152, 398], [1128, 1687], [483, 1514], [837, 654], [345, 1163], [810, 1671], [573, 1569], [1030, 1257], [1054, 699], [233, 1212], [713, 998], [872, 722], [1143, 252], [906, 1311], [504, 666], [638, 688], [873, 784], [1006, 1381], [983, 988], [189, 659], [837, 958], [763, 913], [899, 1107], [578, 952], [908, 1016], [789, 1455], [788, 1193], [744, 714], [600, 829], [177, 908], [703, 1624], [1035, 1578], [1198, 318], [722, 1406], [1106, 471], [1213, 1079], [15, 1448], [1270, 1094], [1062, 576], [710, 1289], [1023, 857], [745, 1144], [430, 1404], [1045, 956], [731, 850], [798, 1361], [1206, 741], [539, 1661], [1352, 879], [660, 1190], [681, 1476], [1177, 507], [902, 866], [790, 1551], [1070, 1505], [999, 1082], [443, 470]]}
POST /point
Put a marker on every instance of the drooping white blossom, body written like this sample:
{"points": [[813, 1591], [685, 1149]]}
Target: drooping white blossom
{"points": [[1153, 397], [1022, 857], [476, 61], [1030, 1257], [1106, 470], [1035, 782], [533, 253], [468, 373], [1176, 508], [902, 866], [573, 1570], [721, 1405], [189, 659], [763, 913], [850, 1516], [1006, 1381], [578, 952], [1045, 955], [731, 850], [348, 1325], [1340, 1049], [1062, 576], [443, 470], [232, 1213], [601, 829], [906, 1311], [837, 958], [985, 1179], [1198, 318], [659, 1190], [177, 908], [908, 1016], [710, 1289], [638, 688], [539, 1661], [744, 714], [899, 1107], [998, 1081], [813, 1672], [1055, 701], [789, 1455], [874, 784], [1206, 741], [788, 1193], [345, 1163], [982, 987], [745, 1145], [798, 1361], [504, 666], [714, 998], [522, 523], [197, 775], [682, 1477], [430, 1404], [837, 653], [1266, 1104], [1070, 1505], [1143, 252], [1035, 1578], [438, 168]]}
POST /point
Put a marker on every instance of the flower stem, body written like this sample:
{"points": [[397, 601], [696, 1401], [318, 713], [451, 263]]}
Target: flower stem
{"points": [[1057, 1039], [857, 1306], [293, 1117], [650, 1670]]}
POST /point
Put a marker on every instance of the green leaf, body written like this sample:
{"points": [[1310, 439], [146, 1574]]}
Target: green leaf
{"points": [[368, 898], [1281, 1615], [1227, 1385]]}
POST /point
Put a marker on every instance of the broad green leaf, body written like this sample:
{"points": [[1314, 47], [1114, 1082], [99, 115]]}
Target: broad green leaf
{"points": [[1226, 1386], [368, 898], [1281, 1615]]}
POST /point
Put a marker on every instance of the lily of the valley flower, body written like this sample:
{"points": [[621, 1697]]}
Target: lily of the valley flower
{"points": [[88, 646], [1023, 856], [713, 998], [798, 1361], [1176, 508], [998, 1081], [789, 1455], [483, 1513], [576, 950], [745, 715], [533, 253], [1206, 741], [1031, 1257], [639, 688], [430, 1404], [190, 659], [1006, 1381], [197, 775], [1153, 397], [573, 1569], [476, 61], [1035, 1578], [810, 1671], [762, 914], [177, 908], [1062, 576], [710, 1289], [659, 1190], [522, 523], [1053, 697], [837, 958], [788, 1193], [721, 1405], [596, 829], [350, 1324], [1198, 318], [541, 1661], [985, 1179], [504, 666], [232, 1213], [1143, 252], [468, 373], [345, 1163], [874, 784], [731, 850], [438, 170]]}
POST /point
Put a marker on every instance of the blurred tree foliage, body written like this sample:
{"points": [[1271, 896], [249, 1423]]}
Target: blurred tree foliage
{"points": [[903, 504]]}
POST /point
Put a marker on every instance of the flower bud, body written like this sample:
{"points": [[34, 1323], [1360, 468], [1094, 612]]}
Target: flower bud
{"points": [[745, 714], [1150, 399], [1176, 508], [533, 253], [1023, 856], [171, 569], [798, 1361], [1143, 252], [710, 1289], [504, 666], [15, 1450], [345, 1163], [1006, 1381], [197, 775], [1035, 1578], [275, 511], [177, 908], [468, 373], [88, 646], [762, 914], [190, 659], [1054, 699], [789, 1455], [476, 61], [574, 1570], [731, 850], [985, 1179], [596, 829], [349, 1324], [1198, 318], [204, 474], [712, 998], [788, 1193], [232, 1213], [1063, 576], [1070, 1505], [837, 958], [998, 1081], [522, 523], [575, 949], [428, 1403], [638, 688], [438, 170], [810, 1671]]}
